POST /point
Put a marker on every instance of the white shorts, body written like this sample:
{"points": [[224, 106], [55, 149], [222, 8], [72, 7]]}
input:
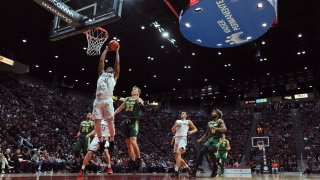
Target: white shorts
{"points": [[94, 146], [103, 109], [180, 143]]}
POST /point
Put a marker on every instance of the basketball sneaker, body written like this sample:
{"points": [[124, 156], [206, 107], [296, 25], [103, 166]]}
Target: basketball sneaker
{"points": [[109, 170], [189, 172], [175, 174], [81, 173]]}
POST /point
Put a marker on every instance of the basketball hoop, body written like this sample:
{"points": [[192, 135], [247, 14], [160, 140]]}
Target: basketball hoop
{"points": [[260, 146], [96, 38]]}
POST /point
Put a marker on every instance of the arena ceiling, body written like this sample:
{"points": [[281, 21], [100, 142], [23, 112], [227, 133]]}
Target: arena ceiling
{"points": [[151, 62]]}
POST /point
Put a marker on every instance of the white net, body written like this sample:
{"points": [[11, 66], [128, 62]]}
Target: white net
{"points": [[96, 38]]}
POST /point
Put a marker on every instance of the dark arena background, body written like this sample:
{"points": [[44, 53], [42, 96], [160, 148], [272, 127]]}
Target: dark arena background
{"points": [[255, 61]]}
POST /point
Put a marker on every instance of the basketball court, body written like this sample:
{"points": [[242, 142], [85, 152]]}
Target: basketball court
{"points": [[291, 176]]}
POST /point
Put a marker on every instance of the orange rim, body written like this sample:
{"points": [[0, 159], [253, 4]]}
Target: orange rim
{"points": [[97, 28]]}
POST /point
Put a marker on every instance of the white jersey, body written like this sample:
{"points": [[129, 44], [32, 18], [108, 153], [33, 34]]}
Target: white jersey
{"points": [[105, 85], [104, 129], [183, 130]]}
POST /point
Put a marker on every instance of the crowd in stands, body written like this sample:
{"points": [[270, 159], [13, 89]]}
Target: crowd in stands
{"points": [[39, 126]]}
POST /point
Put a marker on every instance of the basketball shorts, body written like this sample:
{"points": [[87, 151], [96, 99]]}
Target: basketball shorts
{"points": [[103, 109], [131, 128], [180, 143], [221, 155], [94, 146], [82, 144]]}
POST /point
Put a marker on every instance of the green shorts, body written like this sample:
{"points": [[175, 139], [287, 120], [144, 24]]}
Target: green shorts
{"points": [[131, 128], [212, 144], [221, 155], [82, 144]]}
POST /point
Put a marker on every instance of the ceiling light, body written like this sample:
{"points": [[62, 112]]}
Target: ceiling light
{"points": [[56, 56], [263, 42], [174, 89], [273, 91], [151, 59], [130, 69], [50, 71], [118, 40], [88, 83], [249, 37], [265, 59], [229, 65], [299, 35], [187, 25], [82, 69], [165, 34], [298, 53], [303, 52], [198, 41], [193, 54], [306, 68], [179, 79], [37, 66], [268, 74], [114, 38], [145, 86], [264, 24], [205, 80], [154, 76], [261, 59], [225, 65], [299, 88], [142, 27], [64, 76], [232, 79], [162, 46], [219, 53], [84, 48], [219, 44], [76, 80], [310, 86], [225, 96], [189, 67], [124, 91], [259, 5], [185, 67], [24, 40]]}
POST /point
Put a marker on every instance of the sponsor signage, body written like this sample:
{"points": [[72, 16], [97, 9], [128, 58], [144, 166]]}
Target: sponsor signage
{"points": [[226, 23], [301, 96]]}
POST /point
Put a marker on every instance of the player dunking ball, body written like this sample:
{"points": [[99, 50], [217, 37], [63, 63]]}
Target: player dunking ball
{"points": [[222, 154], [103, 104], [133, 107], [211, 141], [94, 146], [181, 130]]}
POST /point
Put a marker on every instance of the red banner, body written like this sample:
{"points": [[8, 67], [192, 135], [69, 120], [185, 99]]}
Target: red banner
{"points": [[193, 2]]}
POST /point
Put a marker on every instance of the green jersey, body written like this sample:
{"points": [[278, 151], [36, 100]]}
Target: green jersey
{"points": [[223, 145], [86, 128], [132, 109], [214, 135]]}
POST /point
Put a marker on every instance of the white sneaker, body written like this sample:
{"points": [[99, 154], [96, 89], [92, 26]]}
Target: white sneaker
{"points": [[2, 172]]}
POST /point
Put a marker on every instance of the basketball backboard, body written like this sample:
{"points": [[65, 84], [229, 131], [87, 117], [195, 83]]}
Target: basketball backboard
{"points": [[258, 140], [96, 13]]}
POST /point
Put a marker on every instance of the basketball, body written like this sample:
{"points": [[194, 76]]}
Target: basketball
{"points": [[113, 45]]}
